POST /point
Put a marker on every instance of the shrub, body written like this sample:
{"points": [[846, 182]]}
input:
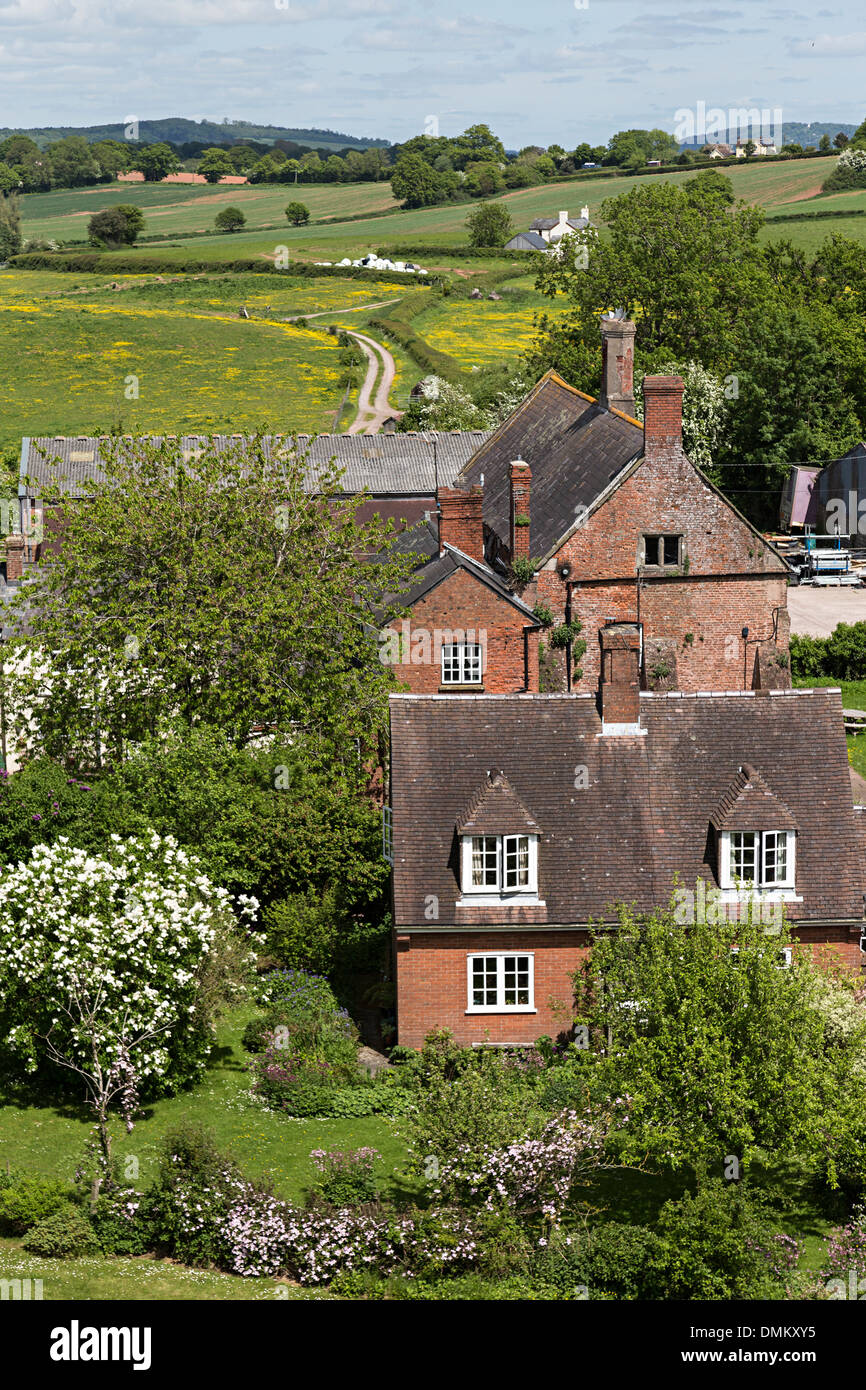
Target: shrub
{"points": [[188, 1205], [119, 1219], [31, 1200], [850, 171], [626, 1262], [846, 1251], [62, 1235], [348, 1179], [722, 1245], [230, 220]]}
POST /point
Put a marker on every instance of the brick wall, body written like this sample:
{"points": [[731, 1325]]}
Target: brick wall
{"points": [[432, 990], [432, 980], [461, 603], [732, 581]]}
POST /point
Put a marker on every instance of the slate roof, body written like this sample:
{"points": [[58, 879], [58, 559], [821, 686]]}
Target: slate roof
{"points": [[423, 540], [575, 448], [646, 812], [527, 241], [496, 809], [749, 804], [383, 464]]}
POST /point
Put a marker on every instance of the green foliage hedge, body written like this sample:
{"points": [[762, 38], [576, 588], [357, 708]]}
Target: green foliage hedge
{"points": [[397, 324], [98, 263], [841, 656], [25, 1201]]}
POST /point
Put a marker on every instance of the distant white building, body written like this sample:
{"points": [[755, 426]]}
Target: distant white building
{"points": [[545, 232], [761, 147]]}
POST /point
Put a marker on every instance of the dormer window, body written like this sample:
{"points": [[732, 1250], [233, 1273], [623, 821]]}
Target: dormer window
{"points": [[661, 551], [501, 864], [498, 840], [756, 838]]}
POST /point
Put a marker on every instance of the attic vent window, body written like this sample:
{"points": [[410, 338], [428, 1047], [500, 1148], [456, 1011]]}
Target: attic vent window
{"points": [[661, 552]]}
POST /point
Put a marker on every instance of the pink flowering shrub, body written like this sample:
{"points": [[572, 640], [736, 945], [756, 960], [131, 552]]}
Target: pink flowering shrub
{"points": [[533, 1175], [846, 1250]]}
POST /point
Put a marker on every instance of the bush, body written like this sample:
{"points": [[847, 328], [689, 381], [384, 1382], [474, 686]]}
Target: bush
{"points": [[348, 1179], [30, 1201], [119, 1220], [722, 1245], [230, 220], [850, 171], [62, 1235], [612, 1259], [187, 1208], [841, 656]]}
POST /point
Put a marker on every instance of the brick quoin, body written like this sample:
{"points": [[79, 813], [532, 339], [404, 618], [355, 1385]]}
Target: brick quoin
{"points": [[461, 604], [432, 979]]}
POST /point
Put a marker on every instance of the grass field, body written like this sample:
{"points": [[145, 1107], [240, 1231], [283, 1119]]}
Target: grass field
{"points": [[69, 346], [479, 331], [175, 208], [172, 208]]}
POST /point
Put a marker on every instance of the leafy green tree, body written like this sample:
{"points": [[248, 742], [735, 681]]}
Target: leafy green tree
{"points": [[16, 148], [215, 164], [841, 140], [72, 162], [415, 182], [749, 148], [298, 214], [721, 1049], [120, 225], [112, 156], [489, 224], [10, 226], [156, 161], [218, 593], [710, 185], [858, 139], [230, 220], [10, 180], [824, 144]]}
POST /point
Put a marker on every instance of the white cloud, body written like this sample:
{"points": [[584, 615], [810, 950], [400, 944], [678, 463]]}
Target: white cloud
{"points": [[832, 45]]}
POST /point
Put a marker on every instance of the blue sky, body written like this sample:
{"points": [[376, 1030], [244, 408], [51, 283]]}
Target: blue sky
{"points": [[536, 72]]}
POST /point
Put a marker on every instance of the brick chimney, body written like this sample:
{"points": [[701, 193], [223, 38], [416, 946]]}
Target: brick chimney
{"points": [[619, 685], [14, 557], [617, 363], [662, 416], [521, 483], [461, 523]]}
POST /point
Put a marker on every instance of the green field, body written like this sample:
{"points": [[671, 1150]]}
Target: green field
{"points": [[172, 208], [479, 331], [71, 343]]}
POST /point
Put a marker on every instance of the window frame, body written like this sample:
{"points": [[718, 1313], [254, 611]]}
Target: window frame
{"points": [[500, 891], [761, 883], [659, 537], [466, 662], [500, 957]]}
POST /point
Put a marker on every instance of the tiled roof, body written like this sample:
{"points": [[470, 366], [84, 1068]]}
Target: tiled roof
{"points": [[749, 804], [544, 224], [527, 241], [383, 464], [496, 809], [646, 812], [423, 540], [575, 448]]}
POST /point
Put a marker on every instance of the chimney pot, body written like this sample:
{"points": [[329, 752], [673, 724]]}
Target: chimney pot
{"points": [[617, 365]]}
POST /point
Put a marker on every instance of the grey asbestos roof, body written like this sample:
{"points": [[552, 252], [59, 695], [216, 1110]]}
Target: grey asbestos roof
{"points": [[527, 241], [382, 464]]}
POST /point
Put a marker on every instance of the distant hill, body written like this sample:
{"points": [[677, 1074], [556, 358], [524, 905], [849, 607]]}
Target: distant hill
{"points": [[794, 133], [178, 130]]}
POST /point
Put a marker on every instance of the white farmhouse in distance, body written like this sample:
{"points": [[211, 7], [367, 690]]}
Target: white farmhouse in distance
{"points": [[545, 232]]}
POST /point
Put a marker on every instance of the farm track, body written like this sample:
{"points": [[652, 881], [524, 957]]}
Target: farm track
{"points": [[372, 413]]}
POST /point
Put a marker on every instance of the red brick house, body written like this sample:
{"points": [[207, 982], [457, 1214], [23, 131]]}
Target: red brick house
{"points": [[619, 524], [466, 630], [518, 819]]}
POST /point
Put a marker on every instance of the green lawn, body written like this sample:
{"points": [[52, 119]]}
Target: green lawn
{"points": [[50, 1140]]}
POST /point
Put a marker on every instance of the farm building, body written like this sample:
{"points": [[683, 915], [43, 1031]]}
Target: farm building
{"points": [[830, 499]]}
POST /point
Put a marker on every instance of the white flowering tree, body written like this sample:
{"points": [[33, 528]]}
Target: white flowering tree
{"points": [[113, 968]]}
